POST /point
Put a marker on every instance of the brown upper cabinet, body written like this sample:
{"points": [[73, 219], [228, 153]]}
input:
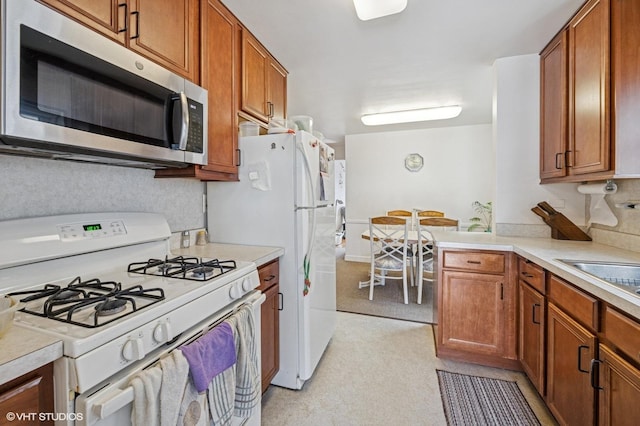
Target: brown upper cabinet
{"points": [[165, 31], [220, 41], [264, 82], [590, 94]]}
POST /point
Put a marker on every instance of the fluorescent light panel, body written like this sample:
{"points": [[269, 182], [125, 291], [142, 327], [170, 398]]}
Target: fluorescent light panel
{"points": [[372, 9], [424, 114]]}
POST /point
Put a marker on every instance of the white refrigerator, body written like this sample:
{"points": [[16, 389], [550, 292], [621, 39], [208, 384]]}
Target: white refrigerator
{"points": [[285, 198]]}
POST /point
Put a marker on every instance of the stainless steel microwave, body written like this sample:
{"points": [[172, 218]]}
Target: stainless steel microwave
{"points": [[71, 93]]}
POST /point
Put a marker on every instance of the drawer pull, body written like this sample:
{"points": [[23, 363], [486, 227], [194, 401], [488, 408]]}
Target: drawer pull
{"points": [[269, 278], [580, 348], [527, 275], [474, 262]]}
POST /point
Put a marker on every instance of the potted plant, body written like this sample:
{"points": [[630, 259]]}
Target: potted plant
{"points": [[482, 222]]}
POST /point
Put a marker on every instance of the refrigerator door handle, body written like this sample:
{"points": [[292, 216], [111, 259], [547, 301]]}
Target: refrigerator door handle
{"points": [[312, 220]]}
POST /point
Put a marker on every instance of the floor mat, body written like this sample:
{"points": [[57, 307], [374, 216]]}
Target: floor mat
{"points": [[473, 400]]}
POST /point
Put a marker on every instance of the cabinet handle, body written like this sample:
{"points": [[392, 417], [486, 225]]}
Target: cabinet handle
{"points": [[239, 162], [558, 161], [137, 15], [280, 301], [580, 348], [533, 313], [269, 278], [594, 372], [527, 275], [474, 262], [126, 20], [568, 159], [271, 108], [501, 291]]}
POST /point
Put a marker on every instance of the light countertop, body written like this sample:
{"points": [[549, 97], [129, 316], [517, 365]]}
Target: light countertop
{"points": [[23, 350], [546, 252], [256, 254]]}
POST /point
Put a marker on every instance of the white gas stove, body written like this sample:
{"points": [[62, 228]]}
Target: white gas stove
{"points": [[107, 285]]}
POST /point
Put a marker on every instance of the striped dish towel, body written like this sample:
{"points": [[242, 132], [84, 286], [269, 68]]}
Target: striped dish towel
{"points": [[247, 367]]}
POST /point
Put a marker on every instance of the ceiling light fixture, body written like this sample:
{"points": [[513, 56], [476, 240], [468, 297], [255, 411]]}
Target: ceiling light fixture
{"points": [[424, 114], [372, 9]]}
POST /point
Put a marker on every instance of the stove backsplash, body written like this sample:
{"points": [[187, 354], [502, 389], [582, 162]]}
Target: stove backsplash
{"points": [[38, 187]]}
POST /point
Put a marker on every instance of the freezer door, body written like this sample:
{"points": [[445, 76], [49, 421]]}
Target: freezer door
{"points": [[315, 172], [319, 303]]}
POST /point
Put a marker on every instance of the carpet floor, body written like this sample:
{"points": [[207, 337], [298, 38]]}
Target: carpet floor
{"points": [[388, 300], [483, 401]]}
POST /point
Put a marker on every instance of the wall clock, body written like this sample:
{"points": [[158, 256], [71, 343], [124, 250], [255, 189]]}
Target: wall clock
{"points": [[413, 162]]}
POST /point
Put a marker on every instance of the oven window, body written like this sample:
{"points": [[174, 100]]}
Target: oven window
{"points": [[64, 86]]}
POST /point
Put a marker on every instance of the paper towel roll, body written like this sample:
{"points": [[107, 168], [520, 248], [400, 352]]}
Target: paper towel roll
{"points": [[598, 188], [599, 211]]}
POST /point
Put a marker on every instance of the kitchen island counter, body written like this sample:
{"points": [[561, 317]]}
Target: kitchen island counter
{"points": [[24, 350], [547, 253], [259, 255]]}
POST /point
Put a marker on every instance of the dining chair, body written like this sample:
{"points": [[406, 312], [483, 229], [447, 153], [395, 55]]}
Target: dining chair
{"points": [[428, 213], [426, 247], [403, 214], [388, 239]]}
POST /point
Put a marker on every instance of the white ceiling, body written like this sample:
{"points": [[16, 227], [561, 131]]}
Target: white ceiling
{"points": [[434, 52]]}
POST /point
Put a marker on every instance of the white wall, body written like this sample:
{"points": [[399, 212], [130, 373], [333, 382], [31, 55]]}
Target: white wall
{"points": [[459, 169], [517, 141]]}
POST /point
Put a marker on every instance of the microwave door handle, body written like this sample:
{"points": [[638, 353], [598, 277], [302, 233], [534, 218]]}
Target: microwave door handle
{"points": [[184, 121]]}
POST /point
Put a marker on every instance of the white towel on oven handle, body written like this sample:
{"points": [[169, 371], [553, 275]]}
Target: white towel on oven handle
{"points": [[175, 377], [146, 391]]}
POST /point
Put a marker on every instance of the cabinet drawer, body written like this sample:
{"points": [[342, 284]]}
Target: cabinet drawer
{"points": [[474, 261], [269, 275], [579, 305], [622, 332], [532, 274]]}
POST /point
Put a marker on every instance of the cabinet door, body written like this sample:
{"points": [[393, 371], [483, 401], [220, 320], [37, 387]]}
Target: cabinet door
{"points": [[570, 349], [472, 312], [254, 77], [167, 31], [531, 335], [270, 335], [625, 63], [620, 390], [553, 105], [30, 393], [277, 93], [104, 16], [220, 39], [589, 89]]}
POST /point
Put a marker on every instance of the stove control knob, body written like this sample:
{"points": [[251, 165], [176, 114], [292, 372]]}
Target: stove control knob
{"points": [[246, 284], [235, 292], [162, 332], [133, 349]]}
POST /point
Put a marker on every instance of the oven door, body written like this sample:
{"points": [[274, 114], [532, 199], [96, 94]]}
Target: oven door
{"points": [[110, 402]]}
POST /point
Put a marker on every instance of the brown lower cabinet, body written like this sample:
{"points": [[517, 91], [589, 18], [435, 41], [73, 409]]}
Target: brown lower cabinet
{"points": [[582, 355], [619, 390], [532, 323], [570, 349], [476, 308], [30, 393], [270, 321]]}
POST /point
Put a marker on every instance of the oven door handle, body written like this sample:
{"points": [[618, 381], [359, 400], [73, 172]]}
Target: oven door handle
{"points": [[115, 403]]}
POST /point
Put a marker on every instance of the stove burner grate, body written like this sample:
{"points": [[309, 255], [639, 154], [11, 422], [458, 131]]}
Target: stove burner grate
{"points": [[107, 298], [187, 268]]}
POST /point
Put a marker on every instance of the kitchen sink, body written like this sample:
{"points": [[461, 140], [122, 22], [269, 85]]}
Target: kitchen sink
{"points": [[623, 275]]}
